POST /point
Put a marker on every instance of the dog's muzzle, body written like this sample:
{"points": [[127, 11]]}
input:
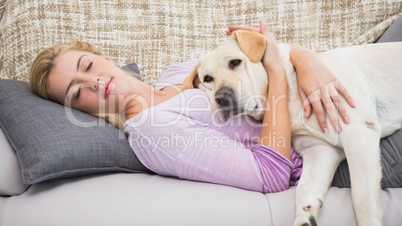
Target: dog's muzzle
{"points": [[228, 105], [225, 98]]}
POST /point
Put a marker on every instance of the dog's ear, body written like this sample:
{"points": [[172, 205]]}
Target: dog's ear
{"points": [[192, 80], [252, 44]]}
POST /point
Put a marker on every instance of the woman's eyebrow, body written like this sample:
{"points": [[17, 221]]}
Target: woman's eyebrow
{"points": [[79, 61], [69, 86], [78, 67]]}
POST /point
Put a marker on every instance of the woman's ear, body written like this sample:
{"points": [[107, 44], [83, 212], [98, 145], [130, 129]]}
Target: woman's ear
{"points": [[106, 57], [192, 80], [252, 44]]}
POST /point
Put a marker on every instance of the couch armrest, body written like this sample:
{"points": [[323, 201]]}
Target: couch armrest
{"points": [[10, 171]]}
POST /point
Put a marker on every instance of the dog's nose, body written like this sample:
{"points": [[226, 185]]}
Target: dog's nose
{"points": [[224, 97]]}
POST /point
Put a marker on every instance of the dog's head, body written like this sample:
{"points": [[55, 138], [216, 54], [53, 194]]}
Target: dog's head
{"points": [[233, 76]]}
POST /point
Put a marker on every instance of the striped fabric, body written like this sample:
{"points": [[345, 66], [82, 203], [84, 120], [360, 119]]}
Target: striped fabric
{"points": [[158, 33], [277, 172]]}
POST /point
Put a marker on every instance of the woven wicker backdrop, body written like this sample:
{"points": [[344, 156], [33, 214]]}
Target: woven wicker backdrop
{"points": [[156, 34]]}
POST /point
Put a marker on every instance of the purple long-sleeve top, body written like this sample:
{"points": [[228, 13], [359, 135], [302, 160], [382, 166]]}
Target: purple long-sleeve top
{"points": [[182, 137]]}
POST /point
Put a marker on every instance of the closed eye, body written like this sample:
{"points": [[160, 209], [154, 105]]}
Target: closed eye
{"points": [[78, 93], [234, 63], [89, 67]]}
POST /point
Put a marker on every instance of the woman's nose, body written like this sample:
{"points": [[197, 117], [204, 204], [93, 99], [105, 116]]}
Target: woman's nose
{"points": [[91, 85], [95, 86]]}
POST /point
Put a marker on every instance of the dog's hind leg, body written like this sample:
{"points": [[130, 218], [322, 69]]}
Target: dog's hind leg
{"points": [[362, 150], [320, 161]]}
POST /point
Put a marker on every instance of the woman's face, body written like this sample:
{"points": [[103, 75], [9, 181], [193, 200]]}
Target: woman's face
{"points": [[89, 82]]}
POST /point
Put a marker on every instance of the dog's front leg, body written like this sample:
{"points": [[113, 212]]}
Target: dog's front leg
{"points": [[320, 161], [362, 150]]}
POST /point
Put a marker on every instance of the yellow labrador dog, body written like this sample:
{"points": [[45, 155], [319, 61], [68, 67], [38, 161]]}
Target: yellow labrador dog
{"points": [[236, 82]]}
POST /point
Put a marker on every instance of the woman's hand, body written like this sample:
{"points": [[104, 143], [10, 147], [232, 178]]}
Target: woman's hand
{"points": [[319, 88], [271, 59], [245, 28]]}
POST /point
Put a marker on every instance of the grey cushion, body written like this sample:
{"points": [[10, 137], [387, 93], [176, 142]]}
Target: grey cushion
{"points": [[132, 68], [53, 141], [393, 33]]}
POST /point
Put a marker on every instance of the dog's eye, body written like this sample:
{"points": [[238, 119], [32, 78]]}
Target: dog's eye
{"points": [[208, 78], [234, 63]]}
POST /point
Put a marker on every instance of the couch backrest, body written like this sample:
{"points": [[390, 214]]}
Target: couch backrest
{"points": [[156, 34]]}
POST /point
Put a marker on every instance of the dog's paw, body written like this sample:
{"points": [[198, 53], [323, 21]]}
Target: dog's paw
{"points": [[306, 215], [310, 222]]}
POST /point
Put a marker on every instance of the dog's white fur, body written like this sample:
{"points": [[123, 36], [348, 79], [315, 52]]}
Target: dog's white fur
{"points": [[373, 76]]}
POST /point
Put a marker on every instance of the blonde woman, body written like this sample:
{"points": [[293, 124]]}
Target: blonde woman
{"points": [[176, 133]]}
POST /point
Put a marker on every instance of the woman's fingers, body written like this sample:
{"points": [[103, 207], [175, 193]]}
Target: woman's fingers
{"points": [[306, 103], [344, 92], [316, 101], [263, 27], [236, 28], [332, 103], [327, 100], [266, 32], [247, 28], [336, 98], [320, 114]]}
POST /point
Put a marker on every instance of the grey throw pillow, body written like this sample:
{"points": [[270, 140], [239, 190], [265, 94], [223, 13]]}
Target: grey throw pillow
{"points": [[53, 141], [393, 33]]}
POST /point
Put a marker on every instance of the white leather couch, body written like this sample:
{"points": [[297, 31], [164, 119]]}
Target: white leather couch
{"points": [[144, 199], [155, 34]]}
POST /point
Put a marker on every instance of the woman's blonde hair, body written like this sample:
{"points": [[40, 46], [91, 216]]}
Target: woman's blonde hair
{"points": [[45, 62]]}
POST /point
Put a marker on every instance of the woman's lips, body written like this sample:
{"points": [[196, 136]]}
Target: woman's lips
{"points": [[108, 88]]}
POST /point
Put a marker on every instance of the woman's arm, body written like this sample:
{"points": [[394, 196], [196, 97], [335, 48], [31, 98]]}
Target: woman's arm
{"points": [[275, 132]]}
